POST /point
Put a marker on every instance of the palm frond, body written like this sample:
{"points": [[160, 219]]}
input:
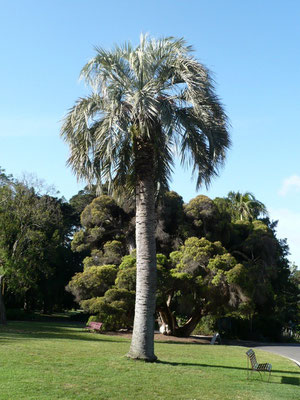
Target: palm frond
{"points": [[156, 92]]}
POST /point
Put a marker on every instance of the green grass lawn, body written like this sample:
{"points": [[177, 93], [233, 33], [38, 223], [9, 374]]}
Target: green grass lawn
{"points": [[60, 361]]}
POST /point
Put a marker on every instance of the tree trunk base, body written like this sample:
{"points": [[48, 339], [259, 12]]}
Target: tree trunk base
{"points": [[172, 329], [140, 357], [2, 306]]}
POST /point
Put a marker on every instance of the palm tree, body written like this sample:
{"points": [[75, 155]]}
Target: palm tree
{"points": [[147, 103], [245, 206]]}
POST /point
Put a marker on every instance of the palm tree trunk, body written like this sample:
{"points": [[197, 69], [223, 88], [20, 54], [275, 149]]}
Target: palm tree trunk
{"points": [[2, 307], [142, 344]]}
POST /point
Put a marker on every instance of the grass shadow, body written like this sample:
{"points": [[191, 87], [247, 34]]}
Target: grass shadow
{"points": [[290, 380], [185, 343], [38, 330], [28, 336], [220, 366]]}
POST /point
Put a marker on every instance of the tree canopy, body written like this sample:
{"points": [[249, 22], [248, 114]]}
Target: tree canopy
{"points": [[215, 270], [35, 255], [231, 269]]}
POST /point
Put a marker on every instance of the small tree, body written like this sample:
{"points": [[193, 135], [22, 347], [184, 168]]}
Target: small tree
{"points": [[32, 239], [204, 279]]}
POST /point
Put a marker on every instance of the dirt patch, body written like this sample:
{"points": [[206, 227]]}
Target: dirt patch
{"points": [[164, 338]]}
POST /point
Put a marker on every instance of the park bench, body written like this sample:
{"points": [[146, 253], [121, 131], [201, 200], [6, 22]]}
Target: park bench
{"points": [[94, 326], [255, 366]]}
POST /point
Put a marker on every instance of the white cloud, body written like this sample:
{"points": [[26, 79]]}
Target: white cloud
{"points": [[290, 183], [289, 228]]}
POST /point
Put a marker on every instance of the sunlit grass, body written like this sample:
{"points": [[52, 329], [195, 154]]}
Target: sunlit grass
{"points": [[60, 361]]}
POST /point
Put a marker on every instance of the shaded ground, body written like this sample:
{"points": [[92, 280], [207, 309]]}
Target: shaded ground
{"points": [[291, 351], [165, 338]]}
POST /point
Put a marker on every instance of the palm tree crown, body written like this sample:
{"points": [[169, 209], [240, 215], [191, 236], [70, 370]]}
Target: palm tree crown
{"points": [[245, 206], [156, 94]]}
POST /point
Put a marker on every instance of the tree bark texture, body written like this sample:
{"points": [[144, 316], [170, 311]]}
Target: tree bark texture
{"points": [[2, 307], [169, 320], [188, 327], [142, 344]]}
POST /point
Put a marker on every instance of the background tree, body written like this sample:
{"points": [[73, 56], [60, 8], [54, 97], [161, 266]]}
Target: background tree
{"points": [[107, 291], [28, 236], [171, 226], [2, 306], [79, 201], [203, 215], [102, 220], [35, 253], [144, 100], [205, 279], [245, 206], [241, 280], [5, 180]]}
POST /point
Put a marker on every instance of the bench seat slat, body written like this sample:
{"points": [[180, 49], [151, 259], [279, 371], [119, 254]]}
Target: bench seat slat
{"points": [[255, 366], [96, 326]]}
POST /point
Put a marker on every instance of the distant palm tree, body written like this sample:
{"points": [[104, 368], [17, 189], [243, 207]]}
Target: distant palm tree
{"points": [[245, 206], [148, 103]]}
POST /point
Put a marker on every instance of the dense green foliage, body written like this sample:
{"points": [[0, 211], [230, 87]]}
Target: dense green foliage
{"points": [[35, 256], [215, 269], [213, 264]]}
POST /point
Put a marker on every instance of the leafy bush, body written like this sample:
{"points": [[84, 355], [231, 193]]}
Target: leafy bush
{"points": [[207, 326], [92, 282], [115, 309]]}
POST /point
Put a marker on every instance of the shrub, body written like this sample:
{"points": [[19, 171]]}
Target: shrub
{"points": [[207, 326]]}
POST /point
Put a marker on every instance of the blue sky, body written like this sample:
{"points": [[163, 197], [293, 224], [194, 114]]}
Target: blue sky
{"points": [[252, 48]]}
